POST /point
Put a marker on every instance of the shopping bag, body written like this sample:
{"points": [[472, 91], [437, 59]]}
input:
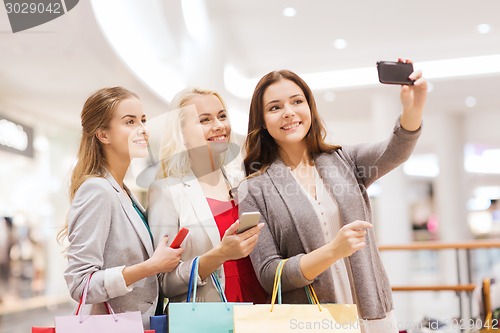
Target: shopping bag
{"points": [[283, 318], [196, 317], [489, 320], [36, 329], [158, 323], [127, 322]]}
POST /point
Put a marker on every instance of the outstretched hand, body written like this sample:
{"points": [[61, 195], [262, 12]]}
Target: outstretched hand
{"points": [[350, 238]]}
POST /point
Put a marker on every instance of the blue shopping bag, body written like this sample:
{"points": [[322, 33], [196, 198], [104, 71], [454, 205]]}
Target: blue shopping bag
{"points": [[198, 317], [158, 323]]}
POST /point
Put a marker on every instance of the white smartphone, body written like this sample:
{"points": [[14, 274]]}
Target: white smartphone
{"points": [[248, 220]]}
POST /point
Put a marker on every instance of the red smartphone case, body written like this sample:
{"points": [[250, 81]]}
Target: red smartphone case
{"points": [[179, 238]]}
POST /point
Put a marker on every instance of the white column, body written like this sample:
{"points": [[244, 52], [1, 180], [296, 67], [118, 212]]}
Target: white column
{"points": [[450, 200], [392, 220], [450, 184]]}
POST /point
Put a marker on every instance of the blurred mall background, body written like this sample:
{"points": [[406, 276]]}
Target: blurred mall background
{"points": [[447, 192]]}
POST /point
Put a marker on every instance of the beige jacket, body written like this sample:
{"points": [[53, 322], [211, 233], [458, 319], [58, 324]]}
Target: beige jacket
{"points": [[179, 202], [106, 234]]}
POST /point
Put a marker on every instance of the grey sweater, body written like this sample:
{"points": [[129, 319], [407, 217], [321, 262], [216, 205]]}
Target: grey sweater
{"points": [[292, 227]]}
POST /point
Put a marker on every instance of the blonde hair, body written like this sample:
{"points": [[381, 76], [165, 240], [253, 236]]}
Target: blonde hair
{"points": [[96, 115], [174, 156]]}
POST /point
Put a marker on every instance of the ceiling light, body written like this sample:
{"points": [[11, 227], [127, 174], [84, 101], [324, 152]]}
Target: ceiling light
{"points": [[329, 96], [289, 12], [470, 101], [340, 44], [483, 28]]}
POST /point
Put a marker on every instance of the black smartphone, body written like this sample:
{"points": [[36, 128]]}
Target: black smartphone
{"points": [[394, 72]]}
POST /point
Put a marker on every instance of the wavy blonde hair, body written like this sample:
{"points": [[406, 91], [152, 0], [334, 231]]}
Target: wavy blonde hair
{"points": [[173, 154]]}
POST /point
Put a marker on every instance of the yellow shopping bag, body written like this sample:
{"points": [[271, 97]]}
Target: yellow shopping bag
{"points": [[293, 318]]}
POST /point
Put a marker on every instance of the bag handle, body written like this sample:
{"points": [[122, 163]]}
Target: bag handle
{"points": [[218, 286], [83, 300], [488, 313], [192, 287], [190, 284], [311, 294], [277, 284]]}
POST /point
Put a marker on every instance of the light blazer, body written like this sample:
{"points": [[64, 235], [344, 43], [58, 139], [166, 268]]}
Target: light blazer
{"points": [[106, 234], [180, 202], [293, 229]]}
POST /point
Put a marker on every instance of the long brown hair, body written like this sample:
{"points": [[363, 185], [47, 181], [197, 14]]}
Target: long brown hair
{"points": [[260, 147], [96, 115]]}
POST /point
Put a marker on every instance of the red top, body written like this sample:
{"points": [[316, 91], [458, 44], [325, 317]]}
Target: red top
{"points": [[241, 282]]}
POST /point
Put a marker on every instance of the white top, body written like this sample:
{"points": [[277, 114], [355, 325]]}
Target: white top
{"points": [[329, 217], [328, 213]]}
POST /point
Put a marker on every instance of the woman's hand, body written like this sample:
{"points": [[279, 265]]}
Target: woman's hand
{"points": [[413, 99], [235, 246], [350, 239], [165, 258], [232, 247]]}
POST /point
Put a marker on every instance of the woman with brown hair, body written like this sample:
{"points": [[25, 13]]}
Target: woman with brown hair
{"points": [[312, 197], [107, 230]]}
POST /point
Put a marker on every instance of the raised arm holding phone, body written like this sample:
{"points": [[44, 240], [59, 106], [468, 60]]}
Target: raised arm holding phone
{"points": [[312, 197]]}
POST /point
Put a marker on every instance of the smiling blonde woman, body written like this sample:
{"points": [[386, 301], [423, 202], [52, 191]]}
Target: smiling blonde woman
{"points": [[194, 191]]}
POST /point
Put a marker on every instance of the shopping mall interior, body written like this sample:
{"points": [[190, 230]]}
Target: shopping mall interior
{"points": [[436, 217]]}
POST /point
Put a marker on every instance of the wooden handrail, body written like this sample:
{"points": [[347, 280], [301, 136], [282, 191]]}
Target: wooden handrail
{"points": [[431, 245], [458, 287]]}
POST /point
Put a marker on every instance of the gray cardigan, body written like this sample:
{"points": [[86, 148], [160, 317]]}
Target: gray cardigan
{"points": [[292, 226]]}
